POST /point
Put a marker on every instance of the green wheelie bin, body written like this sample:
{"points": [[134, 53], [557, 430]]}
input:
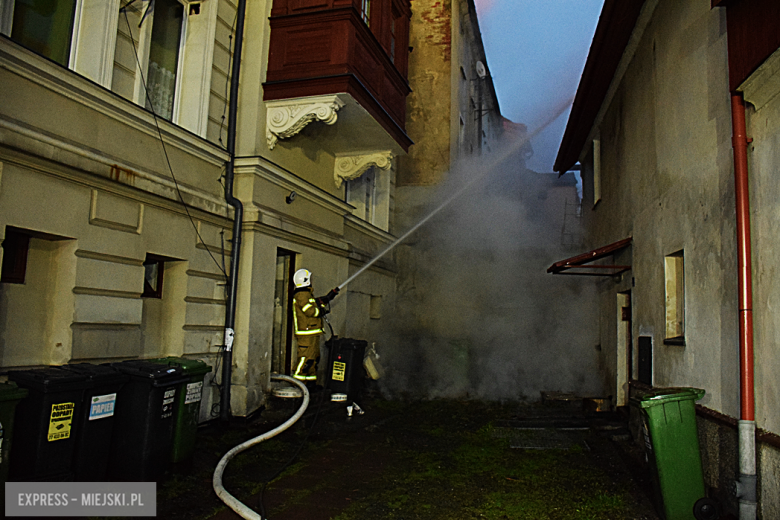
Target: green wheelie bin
{"points": [[672, 448], [185, 426]]}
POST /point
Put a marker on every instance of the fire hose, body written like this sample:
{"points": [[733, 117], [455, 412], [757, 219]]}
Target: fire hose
{"points": [[232, 502]]}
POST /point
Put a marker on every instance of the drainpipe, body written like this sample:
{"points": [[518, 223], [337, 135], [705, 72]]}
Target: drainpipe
{"points": [[746, 484], [230, 307]]}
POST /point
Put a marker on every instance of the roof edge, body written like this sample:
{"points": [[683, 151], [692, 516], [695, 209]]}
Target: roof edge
{"points": [[613, 32]]}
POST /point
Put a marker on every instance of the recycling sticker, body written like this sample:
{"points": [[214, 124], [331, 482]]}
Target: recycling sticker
{"points": [[60, 421]]}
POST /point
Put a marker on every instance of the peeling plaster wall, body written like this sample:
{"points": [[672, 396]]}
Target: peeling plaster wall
{"points": [[763, 161], [667, 180], [428, 107]]}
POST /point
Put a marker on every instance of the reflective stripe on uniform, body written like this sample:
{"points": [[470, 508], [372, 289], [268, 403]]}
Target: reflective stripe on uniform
{"points": [[297, 374], [311, 304], [299, 332]]}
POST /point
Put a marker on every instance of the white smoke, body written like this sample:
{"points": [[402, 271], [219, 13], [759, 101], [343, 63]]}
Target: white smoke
{"points": [[477, 316]]}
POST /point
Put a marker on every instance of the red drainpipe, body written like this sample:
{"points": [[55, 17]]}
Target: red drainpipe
{"points": [[740, 143], [746, 485]]}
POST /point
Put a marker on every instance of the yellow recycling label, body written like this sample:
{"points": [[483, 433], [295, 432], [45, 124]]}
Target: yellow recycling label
{"points": [[61, 418], [338, 370]]}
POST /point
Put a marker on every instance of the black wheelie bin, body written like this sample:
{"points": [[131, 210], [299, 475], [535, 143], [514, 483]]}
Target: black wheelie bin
{"points": [[96, 420], [10, 395], [143, 432], [46, 429], [345, 373]]}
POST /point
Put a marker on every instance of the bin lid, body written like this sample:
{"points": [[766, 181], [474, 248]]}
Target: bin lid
{"points": [[347, 344], [191, 367], [160, 374], [49, 379], [11, 392], [661, 396], [97, 373]]}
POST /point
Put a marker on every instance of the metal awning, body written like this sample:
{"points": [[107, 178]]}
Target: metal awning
{"points": [[578, 262]]}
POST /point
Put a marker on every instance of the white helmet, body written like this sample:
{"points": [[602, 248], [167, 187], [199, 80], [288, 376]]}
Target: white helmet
{"points": [[302, 278]]}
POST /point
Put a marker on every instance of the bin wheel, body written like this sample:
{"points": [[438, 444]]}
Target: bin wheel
{"points": [[706, 509]]}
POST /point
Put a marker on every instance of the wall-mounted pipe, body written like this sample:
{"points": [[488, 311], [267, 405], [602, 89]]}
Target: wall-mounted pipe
{"points": [[230, 306], [746, 485]]}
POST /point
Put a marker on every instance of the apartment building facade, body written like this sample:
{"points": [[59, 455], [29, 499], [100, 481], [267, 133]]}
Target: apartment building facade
{"points": [[116, 233]]}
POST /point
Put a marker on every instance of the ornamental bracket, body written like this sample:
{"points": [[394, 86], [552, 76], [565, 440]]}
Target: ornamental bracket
{"points": [[285, 118], [349, 167]]}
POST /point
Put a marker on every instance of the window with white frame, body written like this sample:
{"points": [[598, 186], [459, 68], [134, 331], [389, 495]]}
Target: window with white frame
{"points": [[111, 41], [365, 11], [361, 193], [150, 66], [149, 40], [43, 26], [370, 196]]}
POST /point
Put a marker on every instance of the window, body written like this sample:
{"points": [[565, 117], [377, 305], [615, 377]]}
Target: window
{"points": [[370, 196], [15, 247], [365, 11], [393, 37], [43, 26], [674, 278], [375, 307], [154, 266], [149, 39], [596, 171], [164, 56], [361, 193]]}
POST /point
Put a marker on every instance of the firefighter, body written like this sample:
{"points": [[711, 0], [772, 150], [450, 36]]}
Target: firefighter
{"points": [[307, 316]]}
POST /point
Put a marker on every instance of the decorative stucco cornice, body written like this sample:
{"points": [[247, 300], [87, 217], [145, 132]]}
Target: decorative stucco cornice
{"points": [[764, 84], [350, 167], [285, 118]]}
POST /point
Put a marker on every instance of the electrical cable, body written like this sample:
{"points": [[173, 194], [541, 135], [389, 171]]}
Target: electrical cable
{"points": [[227, 80], [123, 9], [215, 407]]}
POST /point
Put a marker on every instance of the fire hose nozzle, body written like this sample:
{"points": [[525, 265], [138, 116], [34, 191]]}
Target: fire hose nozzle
{"points": [[324, 300]]}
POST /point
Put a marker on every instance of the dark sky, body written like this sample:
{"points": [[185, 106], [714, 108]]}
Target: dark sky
{"points": [[536, 50]]}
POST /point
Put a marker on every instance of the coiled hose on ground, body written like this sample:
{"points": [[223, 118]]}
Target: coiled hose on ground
{"points": [[232, 502]]}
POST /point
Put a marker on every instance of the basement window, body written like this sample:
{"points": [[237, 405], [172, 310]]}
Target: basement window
{"points": [[674, 279], [15, 247], [154, 266]]}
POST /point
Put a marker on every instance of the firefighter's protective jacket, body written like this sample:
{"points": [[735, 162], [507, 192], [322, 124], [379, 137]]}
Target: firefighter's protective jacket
{"points": [[307, 318]]}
